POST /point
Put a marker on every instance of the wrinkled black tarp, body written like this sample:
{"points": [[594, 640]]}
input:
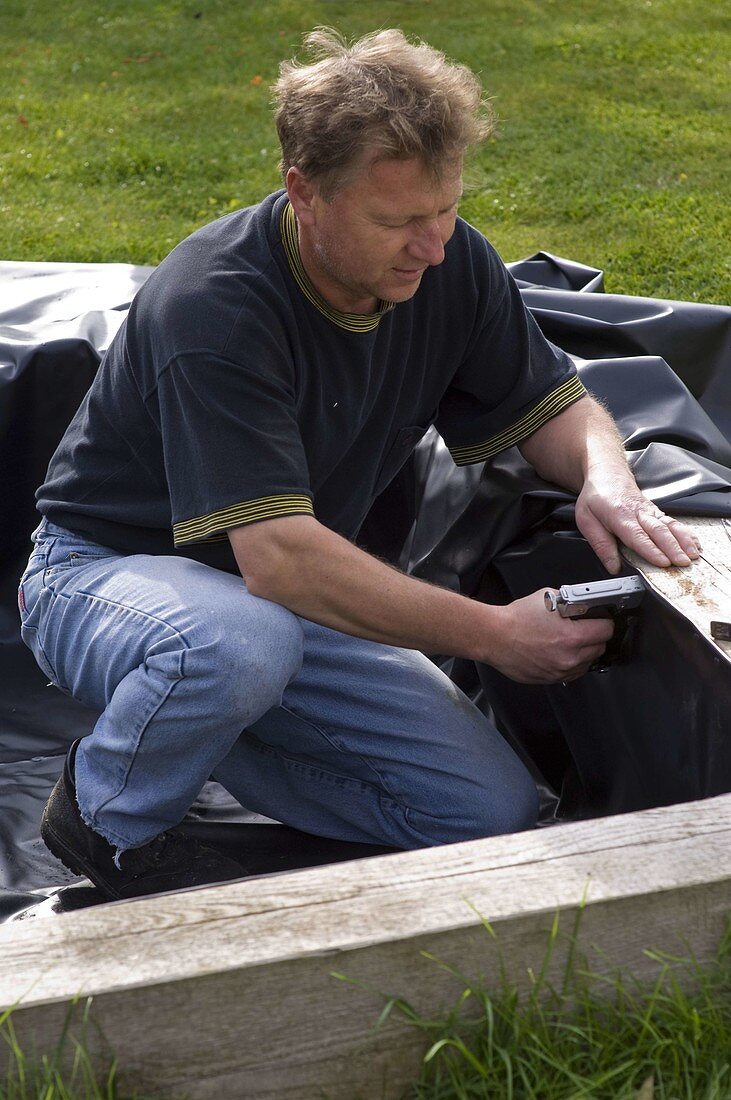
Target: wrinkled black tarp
{"points": [[648, 732]]}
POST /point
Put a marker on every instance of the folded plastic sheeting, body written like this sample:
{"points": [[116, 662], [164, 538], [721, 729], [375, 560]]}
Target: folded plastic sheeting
{"points": [[649, 731]]}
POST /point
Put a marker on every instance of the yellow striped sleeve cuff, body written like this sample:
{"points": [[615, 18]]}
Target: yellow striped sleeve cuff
{"points": [[552, 403], [209, 528]]}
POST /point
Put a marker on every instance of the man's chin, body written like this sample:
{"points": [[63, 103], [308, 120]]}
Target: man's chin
{"points": [[401, 291]]}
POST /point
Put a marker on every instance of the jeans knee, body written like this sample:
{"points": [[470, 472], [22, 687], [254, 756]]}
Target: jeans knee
{"points": [[246, 668], [274, 658], [507, 805], [514, 809]]}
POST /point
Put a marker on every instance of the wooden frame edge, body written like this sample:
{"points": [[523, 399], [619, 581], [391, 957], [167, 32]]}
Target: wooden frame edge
{"points": [[229, 990]]}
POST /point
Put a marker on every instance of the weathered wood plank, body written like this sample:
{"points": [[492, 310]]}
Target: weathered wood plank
{"points": [[228, 990], [702, 592]]}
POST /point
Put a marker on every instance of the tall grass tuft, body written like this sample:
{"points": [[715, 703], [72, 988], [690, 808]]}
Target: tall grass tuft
{"points": [[54, 1076], [592, 1037]]}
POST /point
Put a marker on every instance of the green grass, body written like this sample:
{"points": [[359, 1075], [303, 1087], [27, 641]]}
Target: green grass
{"points": [[593, 1037], [50, 1076], [127, 124]]}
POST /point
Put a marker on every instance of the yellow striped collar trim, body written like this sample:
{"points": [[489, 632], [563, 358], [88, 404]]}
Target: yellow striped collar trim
{"points": [[206, 528], [351, 322], [568, 392]]}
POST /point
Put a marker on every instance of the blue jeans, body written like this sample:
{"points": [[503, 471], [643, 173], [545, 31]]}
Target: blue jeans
{"points": [[195, 678]]}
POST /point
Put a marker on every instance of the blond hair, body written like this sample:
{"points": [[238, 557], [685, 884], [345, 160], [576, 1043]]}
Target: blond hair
{"points": [[403, 100]]}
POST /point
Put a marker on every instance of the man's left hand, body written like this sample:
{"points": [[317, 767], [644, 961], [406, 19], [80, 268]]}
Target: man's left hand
{"points": [[619, 512]]}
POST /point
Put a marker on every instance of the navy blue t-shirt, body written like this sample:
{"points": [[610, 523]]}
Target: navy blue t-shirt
{"points": [[234, 393]]}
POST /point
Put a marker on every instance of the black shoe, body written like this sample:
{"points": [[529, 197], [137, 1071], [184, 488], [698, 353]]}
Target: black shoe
{"points": [[169, 862]]}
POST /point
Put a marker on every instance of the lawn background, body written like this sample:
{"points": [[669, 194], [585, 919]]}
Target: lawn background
{"points": [[126, 125]]}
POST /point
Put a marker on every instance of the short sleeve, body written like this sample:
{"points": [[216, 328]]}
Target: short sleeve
{"points": [[232, 447], [511, 381]]}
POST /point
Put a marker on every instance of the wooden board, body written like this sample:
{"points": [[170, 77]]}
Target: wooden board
{"points": [[701, 592], [228, 990]]}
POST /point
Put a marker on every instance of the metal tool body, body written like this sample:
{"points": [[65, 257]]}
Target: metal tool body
{"points": [[596, 599], [616, 599]]}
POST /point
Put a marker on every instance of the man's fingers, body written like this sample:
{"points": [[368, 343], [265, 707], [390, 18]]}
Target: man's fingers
{"points": [[686, 537], [646, 545], [602, 542], [589, 644], [659, 539], [581, 666], [676, 542]]}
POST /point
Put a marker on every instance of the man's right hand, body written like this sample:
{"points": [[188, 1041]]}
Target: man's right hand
{"points": [[540, 647]]}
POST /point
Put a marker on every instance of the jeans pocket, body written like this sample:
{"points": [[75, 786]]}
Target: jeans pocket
{"points": [[65, 555], [32, 596]]}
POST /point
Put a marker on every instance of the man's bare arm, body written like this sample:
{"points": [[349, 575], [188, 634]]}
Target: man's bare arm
{"points": [[580, 449], [298, 563]]}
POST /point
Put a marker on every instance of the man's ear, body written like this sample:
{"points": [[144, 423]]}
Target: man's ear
{"points": [[301, 195]]}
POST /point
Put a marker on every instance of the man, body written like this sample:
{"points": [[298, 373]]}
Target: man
{"points": [[196, 574]]}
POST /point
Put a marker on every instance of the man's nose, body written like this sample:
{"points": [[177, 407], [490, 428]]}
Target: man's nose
{"points": [[427, 244]]}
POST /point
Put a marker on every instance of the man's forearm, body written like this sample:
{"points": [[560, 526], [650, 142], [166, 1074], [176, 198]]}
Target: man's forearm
{"points": [[303, 566], [323, 577], [581, 449], [582, 442]]}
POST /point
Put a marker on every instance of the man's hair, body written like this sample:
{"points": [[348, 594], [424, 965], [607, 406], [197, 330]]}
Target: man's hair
{"points": [[405, 100]]}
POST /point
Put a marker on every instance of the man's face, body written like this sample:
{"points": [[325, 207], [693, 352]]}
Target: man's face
{"points": [[376, 238]]}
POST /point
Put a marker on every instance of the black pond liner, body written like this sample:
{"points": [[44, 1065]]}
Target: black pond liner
{"points": [[648, 732]]}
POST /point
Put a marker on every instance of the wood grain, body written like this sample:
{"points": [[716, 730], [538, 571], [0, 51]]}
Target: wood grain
{"points": [[701, 592]]}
